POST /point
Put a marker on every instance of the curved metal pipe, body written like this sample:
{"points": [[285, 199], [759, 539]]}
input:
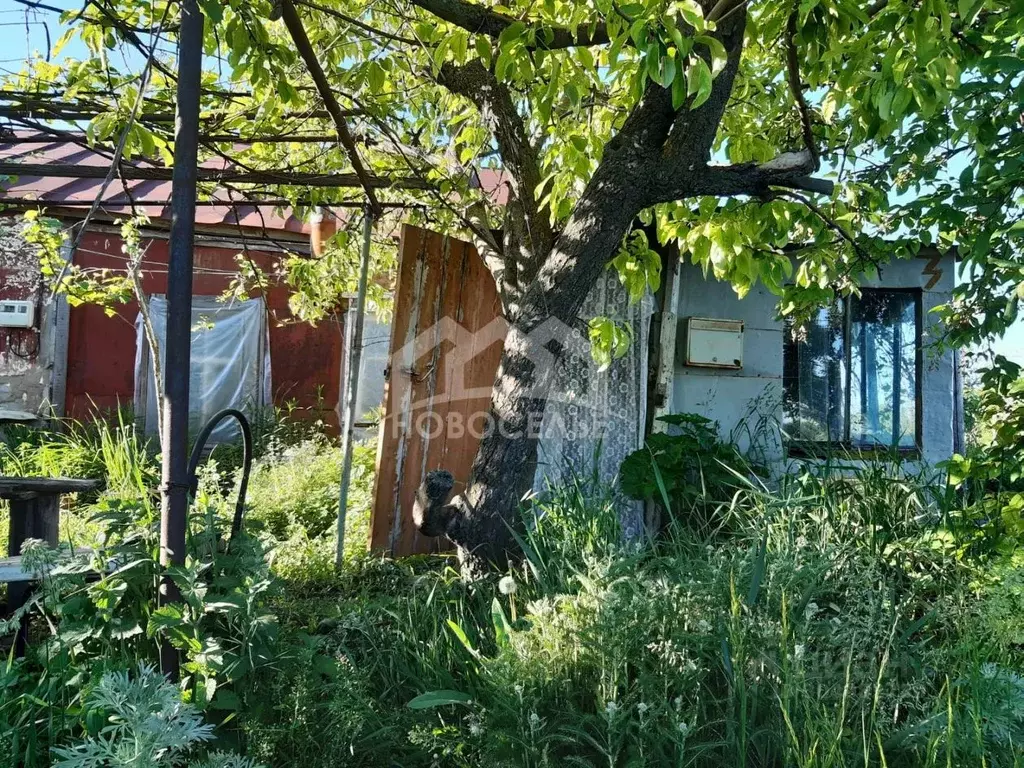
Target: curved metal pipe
{"points": [[197, 453]]}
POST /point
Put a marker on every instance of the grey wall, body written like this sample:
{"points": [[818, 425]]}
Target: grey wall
{"points": [[747, 404]]}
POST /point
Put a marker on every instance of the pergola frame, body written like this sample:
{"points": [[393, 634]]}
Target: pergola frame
{"points": [[33, 110]]}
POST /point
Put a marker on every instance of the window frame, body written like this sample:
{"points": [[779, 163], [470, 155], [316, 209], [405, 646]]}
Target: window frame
{"points": [[824, 448]]}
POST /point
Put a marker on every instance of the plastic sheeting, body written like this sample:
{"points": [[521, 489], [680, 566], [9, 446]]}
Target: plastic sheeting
{"points": [[230, 365]]}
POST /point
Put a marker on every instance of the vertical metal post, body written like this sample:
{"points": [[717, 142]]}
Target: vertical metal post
{"points": [[353, 357], [174, 507]]}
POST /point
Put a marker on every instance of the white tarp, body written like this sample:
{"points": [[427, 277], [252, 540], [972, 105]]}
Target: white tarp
{"points": [[230, 361]]}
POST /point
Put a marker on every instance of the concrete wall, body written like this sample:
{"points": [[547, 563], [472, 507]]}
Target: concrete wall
{"points": [[747, 403], [26, 354]]}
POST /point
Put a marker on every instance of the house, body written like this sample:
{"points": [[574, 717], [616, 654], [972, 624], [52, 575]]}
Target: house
{"points": [[56, 359], [866, 378]]}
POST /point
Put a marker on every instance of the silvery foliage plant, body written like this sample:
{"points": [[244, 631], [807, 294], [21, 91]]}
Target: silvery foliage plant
{"points": [[148, 726]]}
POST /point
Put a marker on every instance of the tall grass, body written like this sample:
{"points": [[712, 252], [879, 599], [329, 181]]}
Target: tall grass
{"points": [[835, 622], [846, 618]]}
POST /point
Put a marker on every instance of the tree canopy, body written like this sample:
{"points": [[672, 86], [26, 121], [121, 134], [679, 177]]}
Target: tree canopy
{"points": [[913, 108]]}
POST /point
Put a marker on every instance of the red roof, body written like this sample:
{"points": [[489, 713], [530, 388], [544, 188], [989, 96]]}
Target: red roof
{"points": [[494, 184], [76, 195], [54, 191]]}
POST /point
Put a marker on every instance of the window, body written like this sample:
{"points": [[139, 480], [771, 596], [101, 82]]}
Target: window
{"points": [[853, 379]]}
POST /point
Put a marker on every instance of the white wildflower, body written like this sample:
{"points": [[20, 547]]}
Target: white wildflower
{"points": [[642, 708], [684, 729], [507, 585], [799, 650], [811, 611], [476, 729], [611, 708], [534, 720]]}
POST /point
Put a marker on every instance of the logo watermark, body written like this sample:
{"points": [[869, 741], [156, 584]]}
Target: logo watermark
{"points": [[442, 380]]}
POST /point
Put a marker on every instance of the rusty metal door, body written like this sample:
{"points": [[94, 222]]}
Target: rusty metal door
{"points": [[446, 342]]}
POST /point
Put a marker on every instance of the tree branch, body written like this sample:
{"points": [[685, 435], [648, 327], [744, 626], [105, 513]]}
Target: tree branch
{"points": [[834, 226], [793, 77], [357, 23], [483, 21], [528, 230], [790, 170], [305, 49], [693, 130], [490, 251]]}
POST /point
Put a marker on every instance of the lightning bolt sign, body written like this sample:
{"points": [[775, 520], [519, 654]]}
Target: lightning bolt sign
{"points": [[932, 268]]}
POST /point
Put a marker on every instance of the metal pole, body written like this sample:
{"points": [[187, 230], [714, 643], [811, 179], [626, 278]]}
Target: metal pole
{"points": [[177, 353], [353, 357]]}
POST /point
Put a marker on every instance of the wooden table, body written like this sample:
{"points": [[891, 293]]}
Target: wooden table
{"points": [[35, 514]]}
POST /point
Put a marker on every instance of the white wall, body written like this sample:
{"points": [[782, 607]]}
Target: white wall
{"points": [[747, 404]]}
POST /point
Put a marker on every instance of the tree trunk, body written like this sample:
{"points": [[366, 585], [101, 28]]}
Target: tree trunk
{"points": [[480, 520], [659, 154]]}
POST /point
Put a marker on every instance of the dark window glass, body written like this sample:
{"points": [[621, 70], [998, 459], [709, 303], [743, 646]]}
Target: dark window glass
{"points": [[815, 369], [853, 376]]}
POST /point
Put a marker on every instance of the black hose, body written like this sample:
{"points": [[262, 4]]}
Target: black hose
{"points": [[197, 453]]}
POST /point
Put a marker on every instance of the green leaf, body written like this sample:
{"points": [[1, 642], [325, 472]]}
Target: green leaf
{"points": [[213, 10], [719, 56], [226, 699], [432, 699], [375, 76], [662, 487], [691, 12], [164, 617], [483, 49], [678, 92], [462, 638], [502, 630], [698, 82], [758, 574]]}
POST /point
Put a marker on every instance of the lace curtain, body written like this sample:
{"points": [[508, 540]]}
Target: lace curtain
{"points": [[593, 418]]}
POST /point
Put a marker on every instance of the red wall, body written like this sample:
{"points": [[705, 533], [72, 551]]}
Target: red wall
{"points": [[101, 349]]}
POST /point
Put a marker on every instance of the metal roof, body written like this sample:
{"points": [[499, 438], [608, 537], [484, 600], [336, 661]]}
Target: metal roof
{"points": [[77, 194], [73, 197]]}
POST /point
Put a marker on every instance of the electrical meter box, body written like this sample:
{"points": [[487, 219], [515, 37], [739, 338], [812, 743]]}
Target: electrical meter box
{"points": [[16, 314], [713, 343]]}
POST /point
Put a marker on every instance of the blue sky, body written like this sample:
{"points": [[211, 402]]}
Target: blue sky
{"points": [[22, 34]]}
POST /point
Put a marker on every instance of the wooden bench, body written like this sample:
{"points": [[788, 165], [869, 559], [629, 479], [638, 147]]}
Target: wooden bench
{"points": [[35, 514]]}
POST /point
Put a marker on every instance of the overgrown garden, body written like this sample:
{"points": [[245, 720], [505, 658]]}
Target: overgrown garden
{"points": [[841, 614], [868, 617]]}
